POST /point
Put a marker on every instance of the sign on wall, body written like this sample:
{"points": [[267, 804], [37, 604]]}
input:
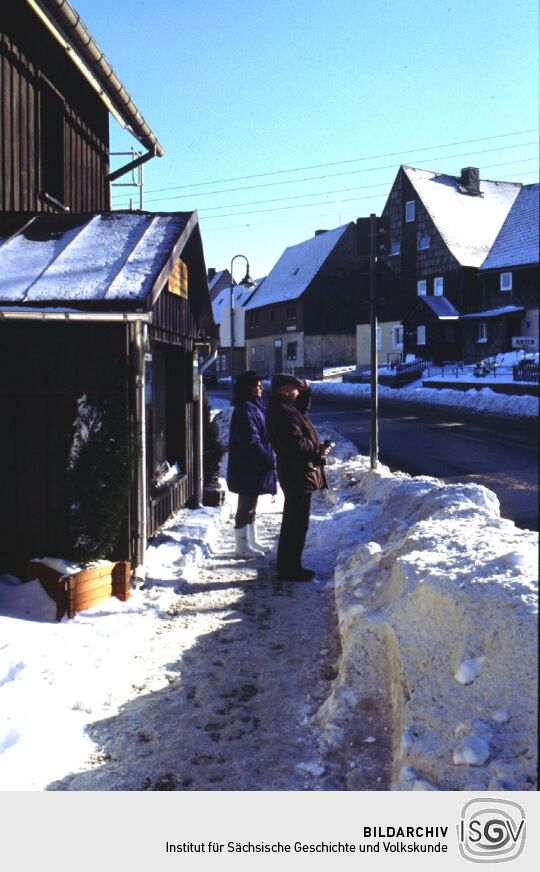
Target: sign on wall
{"points": [[524, 342]]}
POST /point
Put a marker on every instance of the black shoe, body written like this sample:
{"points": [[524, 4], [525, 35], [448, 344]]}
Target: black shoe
{"points": [[297, 575]]}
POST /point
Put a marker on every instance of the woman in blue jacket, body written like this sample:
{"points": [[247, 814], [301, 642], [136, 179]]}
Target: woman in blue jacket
{"points": [[251, 468]]}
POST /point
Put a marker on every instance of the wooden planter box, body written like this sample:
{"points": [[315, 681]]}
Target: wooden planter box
{"points": [[81, 590]]}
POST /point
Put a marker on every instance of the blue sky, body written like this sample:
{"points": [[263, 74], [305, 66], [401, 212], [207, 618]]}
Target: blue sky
{"points": [[279, 117]]}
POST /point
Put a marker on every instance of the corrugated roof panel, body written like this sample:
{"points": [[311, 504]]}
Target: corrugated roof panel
{"points": [[468, 224], [136, 278], [111, 256], [24, 259], [296, 269]]}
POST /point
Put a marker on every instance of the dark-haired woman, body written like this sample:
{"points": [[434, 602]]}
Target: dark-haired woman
{"points": [[251, 469]]}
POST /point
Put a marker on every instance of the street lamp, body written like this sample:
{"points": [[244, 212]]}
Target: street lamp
{"points": [[247, 282]]}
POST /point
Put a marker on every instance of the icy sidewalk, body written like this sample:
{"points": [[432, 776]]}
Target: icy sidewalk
{"points": [[254, 661]]}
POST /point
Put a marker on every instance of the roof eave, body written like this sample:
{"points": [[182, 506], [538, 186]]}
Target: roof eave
{"points": [[67, 28]]}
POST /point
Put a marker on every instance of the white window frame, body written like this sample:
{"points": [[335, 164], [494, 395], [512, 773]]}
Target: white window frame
{"points": [[421, 334], [506, 281], [421, 287], [410, 211], [438, 286], [482, 331], [397, 336], [423, 242]]}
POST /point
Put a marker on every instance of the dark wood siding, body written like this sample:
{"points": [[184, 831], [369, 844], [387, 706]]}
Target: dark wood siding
{"points": [[44, 368], [36, 143]]}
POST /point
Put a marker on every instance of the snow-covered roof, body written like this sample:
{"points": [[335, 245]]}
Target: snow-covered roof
{"points": [[296, 269], [518, 241], [216, 278], [240, 297], [494, 313], [109, 257], [468, 224], [441, 307]]}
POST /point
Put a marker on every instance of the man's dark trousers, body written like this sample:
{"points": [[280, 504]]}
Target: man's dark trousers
{"points": [[292, 536]]}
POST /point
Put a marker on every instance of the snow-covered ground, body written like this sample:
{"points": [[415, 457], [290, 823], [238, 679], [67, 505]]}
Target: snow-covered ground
{"points": [[437, 607]]}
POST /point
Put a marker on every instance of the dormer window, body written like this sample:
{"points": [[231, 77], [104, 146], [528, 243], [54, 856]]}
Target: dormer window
{"points": [[410, 211], [506, 281]]}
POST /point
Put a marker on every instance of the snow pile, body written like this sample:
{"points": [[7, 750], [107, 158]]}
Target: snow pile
{"points": [[437, 607], [483, 399]]}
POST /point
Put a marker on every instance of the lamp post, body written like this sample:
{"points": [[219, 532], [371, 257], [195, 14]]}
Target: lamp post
{"points": [[247, 282]]}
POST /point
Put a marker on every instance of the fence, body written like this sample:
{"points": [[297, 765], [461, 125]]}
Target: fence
{"points": [[525, 371]]}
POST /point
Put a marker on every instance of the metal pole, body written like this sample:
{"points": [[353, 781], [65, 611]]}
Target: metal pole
{"points": [[373, 442], [199, 482], [140, 348]]}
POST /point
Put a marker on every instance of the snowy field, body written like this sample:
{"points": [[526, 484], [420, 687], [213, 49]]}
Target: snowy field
{"points": [[437, 607]]}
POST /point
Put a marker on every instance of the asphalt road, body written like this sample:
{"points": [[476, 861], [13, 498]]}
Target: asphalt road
{"points": [[451, 444]]}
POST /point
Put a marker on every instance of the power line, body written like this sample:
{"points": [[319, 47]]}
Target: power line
{"points": [[345, 173], [331, 193], [248, 224], [340, 162]]}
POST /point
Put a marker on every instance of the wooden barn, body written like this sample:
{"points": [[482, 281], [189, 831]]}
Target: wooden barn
{"points": [[100, 314]]}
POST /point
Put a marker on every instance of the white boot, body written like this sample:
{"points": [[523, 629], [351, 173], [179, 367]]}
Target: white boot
{"points": [[242, 545], [253, 541]]}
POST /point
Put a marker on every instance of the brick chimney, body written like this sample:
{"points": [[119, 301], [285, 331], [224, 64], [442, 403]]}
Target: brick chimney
{"points": [[211, 273], [320, 232], [470, 181]]}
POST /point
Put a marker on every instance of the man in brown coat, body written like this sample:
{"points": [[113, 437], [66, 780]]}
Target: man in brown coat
{"points": [[300, 467]]}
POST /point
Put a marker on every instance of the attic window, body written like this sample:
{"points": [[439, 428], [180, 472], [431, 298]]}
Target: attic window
{"points": [[438, 286], [421, 287], [410, 211], [506, 281], [423, 242]]}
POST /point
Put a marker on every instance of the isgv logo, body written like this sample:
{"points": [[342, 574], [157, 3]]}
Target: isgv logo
{"points": [[491, 830]]}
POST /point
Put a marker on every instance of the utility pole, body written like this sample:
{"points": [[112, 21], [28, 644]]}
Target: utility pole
{"points": [[374, 432], [373, 239]]}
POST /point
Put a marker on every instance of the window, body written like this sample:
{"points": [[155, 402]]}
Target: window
{"points": [[421, 287], [397, 336], [482, 332], [262, 356], [395, 247], [253, 319], [253, 353], [423, 242], [51, 122], [291, 313], [438, 286], [421, 334], [291, 350], [410, 211], [506, 281]]}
